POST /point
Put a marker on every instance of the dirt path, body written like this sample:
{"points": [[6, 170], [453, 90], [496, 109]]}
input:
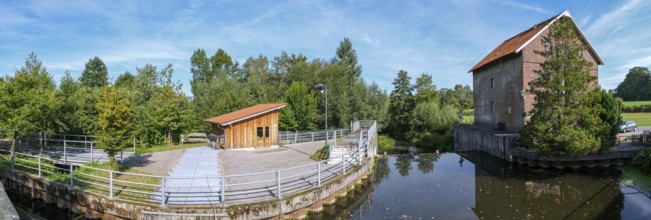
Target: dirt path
{"points": [[157, 163]]}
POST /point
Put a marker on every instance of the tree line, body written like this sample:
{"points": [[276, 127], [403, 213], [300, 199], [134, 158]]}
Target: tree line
{"points": [[636, 86]]}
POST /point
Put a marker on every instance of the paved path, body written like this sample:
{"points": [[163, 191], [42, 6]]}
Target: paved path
{"points": [[195, 178]]}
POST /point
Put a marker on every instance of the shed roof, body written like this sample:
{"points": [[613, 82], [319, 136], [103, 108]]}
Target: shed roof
{"points": [[516, 43], [243, 114]]}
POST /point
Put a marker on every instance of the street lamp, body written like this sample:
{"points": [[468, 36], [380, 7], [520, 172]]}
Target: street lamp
{"points": [[323, 87]]}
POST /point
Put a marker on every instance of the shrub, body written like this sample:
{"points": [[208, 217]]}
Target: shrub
{"points": [[637, 108], [321, 154], [385, 143], [643, 161]]}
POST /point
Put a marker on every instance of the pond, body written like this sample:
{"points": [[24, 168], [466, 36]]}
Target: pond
{"points": [[480, 186]]}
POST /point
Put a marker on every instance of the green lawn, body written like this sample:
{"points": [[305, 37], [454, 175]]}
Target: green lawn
{"points": [[636, 103], [640, 118], [159, 148]]}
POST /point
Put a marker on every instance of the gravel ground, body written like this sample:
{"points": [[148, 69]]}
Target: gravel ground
{"points": [[157, 163]]}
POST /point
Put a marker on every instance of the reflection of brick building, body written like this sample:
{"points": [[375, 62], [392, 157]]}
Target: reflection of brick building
{"points": [[500, 79]]}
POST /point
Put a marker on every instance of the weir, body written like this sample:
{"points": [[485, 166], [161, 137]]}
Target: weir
{"points": [[506, 146]]}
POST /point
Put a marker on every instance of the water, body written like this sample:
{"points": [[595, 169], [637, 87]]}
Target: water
{"points": [[479, 186]]}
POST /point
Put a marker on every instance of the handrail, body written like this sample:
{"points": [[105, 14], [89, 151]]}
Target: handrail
{"points": [[311, 175]]}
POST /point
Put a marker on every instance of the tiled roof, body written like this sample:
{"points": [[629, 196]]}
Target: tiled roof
{"points": [[517, 42], [243, 114]]}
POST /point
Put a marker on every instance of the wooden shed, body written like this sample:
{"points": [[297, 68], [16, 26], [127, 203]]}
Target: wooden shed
{"points": [[255, 126]]}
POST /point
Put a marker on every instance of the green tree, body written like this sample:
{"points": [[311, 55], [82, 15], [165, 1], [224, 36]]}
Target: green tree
{"points": [[27, 101], [66, 108], [425, 89], [563, 117], [401, 103], [114, 122], [300, 112], [171, 112], [636, 86], [126, 80], [95, 74], [432, 125]]}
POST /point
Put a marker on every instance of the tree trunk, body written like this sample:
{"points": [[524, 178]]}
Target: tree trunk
{"points": [[13, 146]]}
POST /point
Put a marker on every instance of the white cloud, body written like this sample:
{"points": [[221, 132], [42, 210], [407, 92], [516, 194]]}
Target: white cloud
{"points": [[616, 19], [524, 6]]}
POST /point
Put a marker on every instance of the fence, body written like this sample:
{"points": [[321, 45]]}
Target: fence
{"points": [[68, 148], [231, 188], [294, 137]]}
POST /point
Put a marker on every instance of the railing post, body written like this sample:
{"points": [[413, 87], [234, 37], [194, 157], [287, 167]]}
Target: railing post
{"points": [[162, 191], [91, 152], [134, 145], [85, 141], [278, 182], [111, 184], [71, 177], [359, 152], [295, 137], [39, 166], [65, 156], [312, 133], [12, 159], [343, 164], [221, 195], [318, 173]]}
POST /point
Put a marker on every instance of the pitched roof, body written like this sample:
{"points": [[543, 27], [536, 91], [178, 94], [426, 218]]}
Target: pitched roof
{"points": [[516, 43], [243, 114]]}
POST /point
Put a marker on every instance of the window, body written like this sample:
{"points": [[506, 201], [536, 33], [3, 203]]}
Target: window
{"points": [[266, 132], [548, 46], [492, 106], [260, 131], [492, 83]]}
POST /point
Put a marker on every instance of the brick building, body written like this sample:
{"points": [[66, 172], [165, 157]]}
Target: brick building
{"points": [[501, 79]]}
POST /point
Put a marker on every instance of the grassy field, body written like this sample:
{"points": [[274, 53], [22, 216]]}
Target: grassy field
{"points": [[640, 118], [636, 103], [159, 148]]}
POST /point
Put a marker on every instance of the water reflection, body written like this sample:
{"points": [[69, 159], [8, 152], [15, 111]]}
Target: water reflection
{"points": [[479, 186]]}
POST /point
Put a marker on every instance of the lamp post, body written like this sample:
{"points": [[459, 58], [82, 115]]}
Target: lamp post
{"points": [[323, 87]]}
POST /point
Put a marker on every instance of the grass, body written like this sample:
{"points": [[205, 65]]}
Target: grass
{"points": [[640, 118], [120, 181], [632, 175], [163, 147], [83, 175], [636, 103]]}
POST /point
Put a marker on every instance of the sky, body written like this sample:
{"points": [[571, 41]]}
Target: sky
{"points": [[444, 38]]}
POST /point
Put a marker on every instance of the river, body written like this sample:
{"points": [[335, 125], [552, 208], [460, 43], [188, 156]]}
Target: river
{"points": [[467, 186], [479, 186]]}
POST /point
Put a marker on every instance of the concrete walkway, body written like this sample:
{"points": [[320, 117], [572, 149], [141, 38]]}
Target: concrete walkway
{"points": [[195, 179]]}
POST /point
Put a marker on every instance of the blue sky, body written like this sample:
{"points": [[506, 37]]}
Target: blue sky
{"points": [[442, 38]]}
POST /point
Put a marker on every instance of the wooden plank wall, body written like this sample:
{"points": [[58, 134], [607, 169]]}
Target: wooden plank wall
{"points": [[244, 134]]}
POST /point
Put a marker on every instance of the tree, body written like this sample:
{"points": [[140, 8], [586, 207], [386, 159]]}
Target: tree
{"points": [[564, 117], [27, 101], [401, 103], [126, 80], [95, 74], [636, 86], [425, 89], [300, 112], [114, 122], [171, 112], [432, 125]]}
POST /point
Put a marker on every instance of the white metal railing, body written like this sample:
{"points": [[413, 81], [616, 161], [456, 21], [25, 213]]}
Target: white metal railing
{"points": [[153, 188], [69, 148], [294, 137]]}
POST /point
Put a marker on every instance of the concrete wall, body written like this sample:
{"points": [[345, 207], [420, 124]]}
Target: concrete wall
{"points": [[471, 138], [7, 210], [506, 75]]}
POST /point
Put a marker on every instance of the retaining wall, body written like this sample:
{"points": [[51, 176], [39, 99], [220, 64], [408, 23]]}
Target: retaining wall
{"points": [[294, 205]]}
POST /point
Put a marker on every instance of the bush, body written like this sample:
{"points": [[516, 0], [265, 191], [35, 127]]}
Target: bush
{"points": [[643, 161], [385, 143], [321, 154], [637, 108]]}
